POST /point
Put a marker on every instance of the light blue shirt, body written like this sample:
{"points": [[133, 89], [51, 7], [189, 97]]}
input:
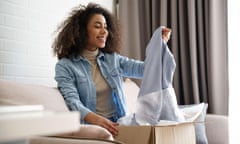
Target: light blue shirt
{"points": [[159, 65], [156, 99], [73, 76]]}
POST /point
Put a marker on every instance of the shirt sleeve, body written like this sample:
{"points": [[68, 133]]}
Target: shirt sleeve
{"points": [[65, 83], [130, 67]]}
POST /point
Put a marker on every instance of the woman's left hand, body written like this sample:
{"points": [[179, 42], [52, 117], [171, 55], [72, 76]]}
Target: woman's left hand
{"points": [[96, 119], [166, 33]]}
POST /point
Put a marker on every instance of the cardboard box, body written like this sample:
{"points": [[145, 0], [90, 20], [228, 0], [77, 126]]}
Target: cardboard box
{"points": [[168, 133]]}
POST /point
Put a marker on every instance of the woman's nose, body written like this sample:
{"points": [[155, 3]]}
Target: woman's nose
{"points": [[104, 30]]}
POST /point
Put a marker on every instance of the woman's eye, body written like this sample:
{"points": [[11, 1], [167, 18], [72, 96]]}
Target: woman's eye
{"points": [[97, 26]]}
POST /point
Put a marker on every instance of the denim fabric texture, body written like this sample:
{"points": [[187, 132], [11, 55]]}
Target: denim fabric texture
{"points": [[73, 76]]}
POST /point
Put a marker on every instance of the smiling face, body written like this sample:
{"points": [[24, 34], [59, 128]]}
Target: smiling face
{"points": [[97, 32]]}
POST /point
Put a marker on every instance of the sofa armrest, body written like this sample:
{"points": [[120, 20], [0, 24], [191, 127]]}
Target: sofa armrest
{"points": [[217, 129], [19, 93]]}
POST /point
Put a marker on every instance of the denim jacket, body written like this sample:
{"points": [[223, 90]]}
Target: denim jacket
{"points": [[73, 76]]}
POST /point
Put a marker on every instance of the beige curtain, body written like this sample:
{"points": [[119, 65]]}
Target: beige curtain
{"points": [[198, 43]]}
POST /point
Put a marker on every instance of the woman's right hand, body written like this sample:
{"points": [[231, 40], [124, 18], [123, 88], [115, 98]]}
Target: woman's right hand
{"points": [[93, 118]]}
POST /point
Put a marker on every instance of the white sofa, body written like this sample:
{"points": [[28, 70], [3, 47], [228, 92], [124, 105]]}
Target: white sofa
{"points": [[15, 93]]}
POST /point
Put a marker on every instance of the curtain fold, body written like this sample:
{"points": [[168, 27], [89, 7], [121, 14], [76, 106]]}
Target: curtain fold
{"points": [[198, 43]]}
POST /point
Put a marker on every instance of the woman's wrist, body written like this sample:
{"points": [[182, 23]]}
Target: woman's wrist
{"points": [[92, 118]]}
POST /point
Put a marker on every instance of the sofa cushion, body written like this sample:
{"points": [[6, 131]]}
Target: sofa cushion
{"points": [[131, 90], [88, 131], [217, 129], [16, 93]]}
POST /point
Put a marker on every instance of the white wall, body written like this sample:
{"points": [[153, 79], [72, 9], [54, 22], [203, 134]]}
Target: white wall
{"points": [[26, 35], [234, 69]]}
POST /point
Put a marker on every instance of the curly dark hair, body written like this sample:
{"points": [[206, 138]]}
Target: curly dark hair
{"points": [[72, 34]]}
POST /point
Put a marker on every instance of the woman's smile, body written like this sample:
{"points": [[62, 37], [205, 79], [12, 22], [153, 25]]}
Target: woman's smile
{"points": [[97, 32]]}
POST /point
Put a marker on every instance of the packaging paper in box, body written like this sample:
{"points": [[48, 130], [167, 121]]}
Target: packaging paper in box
{"points": [[168, 133]]}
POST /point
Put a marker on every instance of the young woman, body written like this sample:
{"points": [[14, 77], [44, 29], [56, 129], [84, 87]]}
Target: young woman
{"points": [[90, 69]]}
